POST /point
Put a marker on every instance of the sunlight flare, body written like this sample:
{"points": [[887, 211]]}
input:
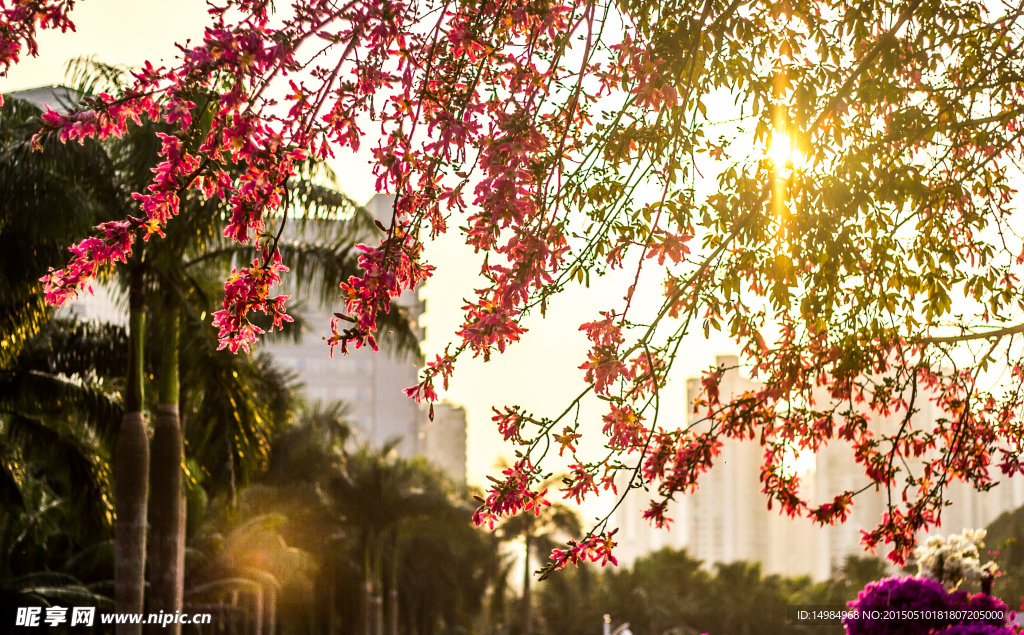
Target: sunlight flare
{"points": [[784, 154]]}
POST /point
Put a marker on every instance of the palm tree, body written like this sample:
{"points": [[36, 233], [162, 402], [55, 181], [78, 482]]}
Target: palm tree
{"points": [[413, 536], [57, 414], [181, 266], [80, 184], [378, 492], [304, 458], [50, 198], [58, 411], [165, 280], [446, 568], [540, 534]]}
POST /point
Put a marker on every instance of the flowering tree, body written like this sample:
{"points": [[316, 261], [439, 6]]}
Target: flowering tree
{"points": [[864, 266]]}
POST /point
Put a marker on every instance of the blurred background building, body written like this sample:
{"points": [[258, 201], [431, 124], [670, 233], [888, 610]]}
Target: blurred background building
{"points": [[370, 384], [727, 519]]}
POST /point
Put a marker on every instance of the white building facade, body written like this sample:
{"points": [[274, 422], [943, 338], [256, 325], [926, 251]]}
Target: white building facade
{"points": [[370, 383]]}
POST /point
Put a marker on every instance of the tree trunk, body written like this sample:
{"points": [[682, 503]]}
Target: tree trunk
{"points": [[378, 614], [332, 595], [378, 596], [368, 608], [131, 473], [230, 465], [167, 500], [393, 586], [368, 594], [393, 611], [527, 618]]}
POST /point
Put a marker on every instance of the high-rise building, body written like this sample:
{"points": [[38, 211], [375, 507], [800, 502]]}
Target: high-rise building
{"points": [[727, 518], [371, 384]]}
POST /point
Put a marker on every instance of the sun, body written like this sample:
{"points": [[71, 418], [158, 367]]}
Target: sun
{"points": [[783, 153]]}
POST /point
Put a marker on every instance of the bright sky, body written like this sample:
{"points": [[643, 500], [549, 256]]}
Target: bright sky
{"points": [[541, 373]]}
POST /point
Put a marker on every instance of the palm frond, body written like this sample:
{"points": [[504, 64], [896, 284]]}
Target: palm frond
{"points": [[74, 347], [94, 562], [73, 595], [310, 201], [41, 394], [73, 468], [12, 476], [44, 579], [241, 401], [51, 199], [89, 76], [22, 317]]}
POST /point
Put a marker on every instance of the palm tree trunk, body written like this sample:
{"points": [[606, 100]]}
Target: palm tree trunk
{"points": [[330, 609], [131, 472], [367, 589], [230, 465], [393, 611], [367, 608], [527, 625], [378, 596], [167, 502], [393, 590]]}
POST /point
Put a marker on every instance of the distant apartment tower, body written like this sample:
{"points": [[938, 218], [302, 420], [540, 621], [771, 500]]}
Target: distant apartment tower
{"points": [[371, 384], [727, 518]]}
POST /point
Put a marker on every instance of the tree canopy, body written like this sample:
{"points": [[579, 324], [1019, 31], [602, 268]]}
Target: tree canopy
{"points": [[846, 217]]}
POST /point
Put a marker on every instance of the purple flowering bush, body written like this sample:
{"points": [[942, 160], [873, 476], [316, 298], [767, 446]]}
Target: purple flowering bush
{"points": [[886, 602], [976, 629]]}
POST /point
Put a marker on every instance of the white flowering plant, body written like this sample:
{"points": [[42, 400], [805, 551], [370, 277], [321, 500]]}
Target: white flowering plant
{"points": [[952, 560]]}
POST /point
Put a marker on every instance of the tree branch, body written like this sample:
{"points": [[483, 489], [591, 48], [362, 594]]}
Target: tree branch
{"points": [[885, 42], [965, 337]]}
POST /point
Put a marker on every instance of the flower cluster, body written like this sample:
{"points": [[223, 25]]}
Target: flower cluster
{"points": [[887, 607], [596, 547], [21, 18], [248, 289], [951, 560], [108, 116], [88, 256], [511, 495]]}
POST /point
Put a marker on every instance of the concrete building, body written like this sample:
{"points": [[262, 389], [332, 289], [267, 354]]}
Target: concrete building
{"points": [[105, 305], [727, 518], [371, 384], [443, 440]]}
